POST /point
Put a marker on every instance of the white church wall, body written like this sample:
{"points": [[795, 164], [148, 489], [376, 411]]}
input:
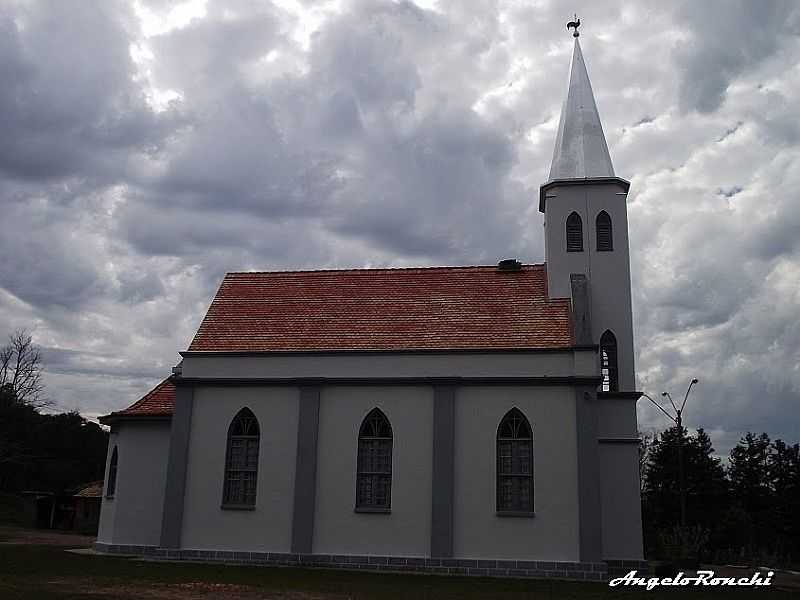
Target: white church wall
{"points": [[105, 532], [338, 529], [608, 272], [133, 516], [467, 364], [267, 528], [620, 501], [619, 479], [552, 534], [616, 418]]}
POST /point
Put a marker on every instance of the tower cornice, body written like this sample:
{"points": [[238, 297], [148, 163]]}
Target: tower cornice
{"points": [[624, 183]]}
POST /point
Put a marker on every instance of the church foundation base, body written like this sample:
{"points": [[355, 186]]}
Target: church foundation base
{"points": [[574, 571], [618, 568]]}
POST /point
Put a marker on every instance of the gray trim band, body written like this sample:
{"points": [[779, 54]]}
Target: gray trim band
{"points": [[443, 471], [305, 475], [421, 351], [619, 395], [590, 528], [177, 462], [319, 381], [112, 418]]}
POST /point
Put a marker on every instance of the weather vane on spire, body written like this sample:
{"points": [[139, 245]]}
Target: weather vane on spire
{"points": [[574, 24]]}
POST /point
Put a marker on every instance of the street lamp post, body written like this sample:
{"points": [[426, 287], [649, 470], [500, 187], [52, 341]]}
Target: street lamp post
{"points": [[678, 420]]}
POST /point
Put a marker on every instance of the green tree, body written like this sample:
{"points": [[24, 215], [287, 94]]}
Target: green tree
{"points": [[705, 484], [52, 452], [784, 480], [21, 371], [748, 472], [751, 492]]}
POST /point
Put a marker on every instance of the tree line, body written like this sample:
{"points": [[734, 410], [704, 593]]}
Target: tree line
{"points": [[40, 451], [745, 511]]}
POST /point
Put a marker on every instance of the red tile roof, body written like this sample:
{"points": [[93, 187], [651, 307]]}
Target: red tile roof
{"points": [[158, 402], [437, 308], [90, 490]]}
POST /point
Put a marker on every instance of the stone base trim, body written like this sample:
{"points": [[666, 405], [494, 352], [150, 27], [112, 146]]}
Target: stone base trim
{"points": [[618, 568], [574, 571]]}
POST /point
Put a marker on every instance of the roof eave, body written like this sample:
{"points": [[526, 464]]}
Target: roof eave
{"points": [[624, 183], [367, 351], [116, 417]]}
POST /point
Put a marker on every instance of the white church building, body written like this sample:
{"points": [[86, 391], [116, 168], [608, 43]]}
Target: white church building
{"points": [[461, 420]]}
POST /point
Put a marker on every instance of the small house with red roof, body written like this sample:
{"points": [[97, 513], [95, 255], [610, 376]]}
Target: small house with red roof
{"points": [[474, 420]]}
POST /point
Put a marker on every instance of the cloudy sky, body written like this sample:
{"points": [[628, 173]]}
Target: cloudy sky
{"points": [[148, 147]]}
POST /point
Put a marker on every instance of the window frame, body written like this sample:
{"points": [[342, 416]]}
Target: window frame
{"points": [[609, 362], [361, 503], [514, 510], [573, 221], [241, 501], [607, 219], [113, 469]]}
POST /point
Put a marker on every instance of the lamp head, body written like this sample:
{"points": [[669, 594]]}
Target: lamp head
{"points": [[695, 380], [663, 393]]}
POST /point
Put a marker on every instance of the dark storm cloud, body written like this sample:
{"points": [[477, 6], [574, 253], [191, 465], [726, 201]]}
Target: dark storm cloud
{"points": [[68, 103], [343, 143], [41, 265], [137, 167], [725, 40]]}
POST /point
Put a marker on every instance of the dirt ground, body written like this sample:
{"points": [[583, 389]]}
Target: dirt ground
{"points": [[185, 591], [43, 537]]}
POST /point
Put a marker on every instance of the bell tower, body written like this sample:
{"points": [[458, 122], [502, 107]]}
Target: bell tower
{"points": [[586, 228]]}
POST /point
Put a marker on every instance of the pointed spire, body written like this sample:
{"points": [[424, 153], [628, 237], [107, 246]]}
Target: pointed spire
{"points": [[581, 149]]}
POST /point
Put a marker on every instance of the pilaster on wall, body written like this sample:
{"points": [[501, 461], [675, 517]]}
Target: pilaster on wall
{"points": [[305, 478], [590, 527], [443, 471], [581, 309], [180, 431]]}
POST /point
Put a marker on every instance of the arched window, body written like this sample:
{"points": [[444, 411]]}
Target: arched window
{"points": [[574, 233], [111, 485], [605, 239], [608, 362], [241, 460], [374, 470], [514, 463]]}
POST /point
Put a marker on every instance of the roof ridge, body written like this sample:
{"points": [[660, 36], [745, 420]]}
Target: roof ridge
{"points": [[377, 269]]}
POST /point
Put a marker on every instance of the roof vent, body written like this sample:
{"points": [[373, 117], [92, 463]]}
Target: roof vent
{"points": [[509, 265]]}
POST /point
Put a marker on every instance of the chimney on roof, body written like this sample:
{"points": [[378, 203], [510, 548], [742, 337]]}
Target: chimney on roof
{"points": [[509, 265]]}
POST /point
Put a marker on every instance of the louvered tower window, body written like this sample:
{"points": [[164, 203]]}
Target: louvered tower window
{"points": [[374, 469], [608, 362], [605, 240], [111, 486], [514, 464], [574, 233], [241, 462]]}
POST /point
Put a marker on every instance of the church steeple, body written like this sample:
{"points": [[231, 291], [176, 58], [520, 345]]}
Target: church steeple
{"points": [[586, 230], [581, 149]]}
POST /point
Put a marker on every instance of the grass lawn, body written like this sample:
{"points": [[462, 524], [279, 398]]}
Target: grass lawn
{"points": [[48, 572]]}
